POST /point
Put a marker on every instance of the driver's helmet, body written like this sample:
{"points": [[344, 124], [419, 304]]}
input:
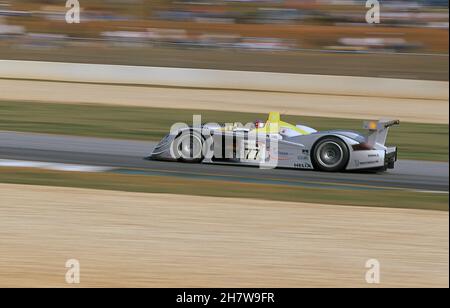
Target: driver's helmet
{"points": [[259, 124]]}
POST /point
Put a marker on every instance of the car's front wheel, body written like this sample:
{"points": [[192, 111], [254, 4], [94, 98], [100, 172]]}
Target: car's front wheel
{"points": [[330, 154], [188, 147]]}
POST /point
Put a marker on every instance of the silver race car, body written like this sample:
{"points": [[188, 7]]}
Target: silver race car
{"points": [[275, 143]]}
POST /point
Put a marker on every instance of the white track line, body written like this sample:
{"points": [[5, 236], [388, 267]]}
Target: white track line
{"points": [[52, 166], [432, 192], [94, 169]]}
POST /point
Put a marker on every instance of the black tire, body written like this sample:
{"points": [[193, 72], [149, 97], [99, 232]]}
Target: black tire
{"points": [[188, 147], [330, 154]]}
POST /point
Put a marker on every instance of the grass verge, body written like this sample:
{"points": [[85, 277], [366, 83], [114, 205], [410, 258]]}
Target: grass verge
{"points": [[415, 141], [162, 184]]}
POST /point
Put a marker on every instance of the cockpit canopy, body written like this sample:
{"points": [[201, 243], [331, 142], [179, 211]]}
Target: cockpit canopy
{"points": [[274, 125]]}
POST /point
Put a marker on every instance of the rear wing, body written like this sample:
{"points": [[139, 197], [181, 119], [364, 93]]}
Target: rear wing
{"points": [[378, 130]]}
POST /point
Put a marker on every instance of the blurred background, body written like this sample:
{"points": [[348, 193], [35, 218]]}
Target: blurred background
{"points": [[181, 225], [299, 36]]}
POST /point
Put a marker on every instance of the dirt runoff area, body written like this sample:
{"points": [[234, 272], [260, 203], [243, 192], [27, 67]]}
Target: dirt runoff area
{"points": [[354, 107], [160, 240]]}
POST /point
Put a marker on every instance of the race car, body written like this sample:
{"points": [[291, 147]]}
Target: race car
{"points": [[277, 144]]}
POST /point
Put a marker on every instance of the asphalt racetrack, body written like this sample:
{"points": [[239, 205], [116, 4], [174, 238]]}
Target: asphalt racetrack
{"points": [[127, 157]]}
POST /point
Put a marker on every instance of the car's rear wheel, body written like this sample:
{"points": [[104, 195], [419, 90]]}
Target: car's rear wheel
{"points": [[188, 147], [330, 154]]}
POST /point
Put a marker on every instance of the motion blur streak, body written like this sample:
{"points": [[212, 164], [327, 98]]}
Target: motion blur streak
{"points": [[356, 107], [158, 224], [216, 242], [129, 154], [254, 25]]}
